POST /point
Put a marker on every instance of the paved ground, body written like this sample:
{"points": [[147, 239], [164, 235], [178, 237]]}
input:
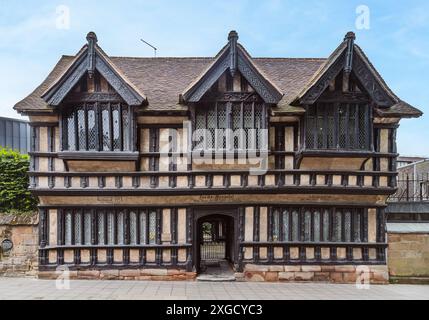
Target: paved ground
{"points": [[217, 271], [25, 288]]}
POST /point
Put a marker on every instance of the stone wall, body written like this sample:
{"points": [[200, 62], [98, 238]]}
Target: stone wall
{"points": [[22, 230], [376, 274], [159, 274], [408, 257]]}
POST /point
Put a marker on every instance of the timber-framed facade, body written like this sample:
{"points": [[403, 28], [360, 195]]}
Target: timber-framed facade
{"points": [[283, 165]]}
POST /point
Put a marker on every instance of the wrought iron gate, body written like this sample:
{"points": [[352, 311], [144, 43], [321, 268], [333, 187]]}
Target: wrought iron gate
{"points": [[213, 244]]}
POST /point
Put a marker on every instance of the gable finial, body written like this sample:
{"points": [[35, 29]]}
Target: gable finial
{"points": [[92, 40], [350, 38], [232, 39], [350, 35]]}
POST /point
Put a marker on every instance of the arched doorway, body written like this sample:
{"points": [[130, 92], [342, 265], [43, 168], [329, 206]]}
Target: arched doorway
{"points": [[215, 243]]}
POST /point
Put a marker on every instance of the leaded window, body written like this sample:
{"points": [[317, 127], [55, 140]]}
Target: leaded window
{"points": [[109, 226], [230, 126], [307, 224], [345, 126], [97, 127]]}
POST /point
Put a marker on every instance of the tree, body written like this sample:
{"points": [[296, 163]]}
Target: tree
{"points": [[14, 193]]}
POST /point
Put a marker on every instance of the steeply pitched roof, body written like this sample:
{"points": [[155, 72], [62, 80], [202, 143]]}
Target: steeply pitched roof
{"points": [[89, 58], [162, 80], [232, 58]]}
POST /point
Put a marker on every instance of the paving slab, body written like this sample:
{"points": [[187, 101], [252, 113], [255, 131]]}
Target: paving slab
{"points": [[31, 289]]}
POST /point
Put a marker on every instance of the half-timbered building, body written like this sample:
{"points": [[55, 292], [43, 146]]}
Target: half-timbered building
{"points": [[150, 168]]}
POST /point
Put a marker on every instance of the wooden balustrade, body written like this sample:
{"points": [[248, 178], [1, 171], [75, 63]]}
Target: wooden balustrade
{"points": [[233, 180], [108, 256], [289, 253]]}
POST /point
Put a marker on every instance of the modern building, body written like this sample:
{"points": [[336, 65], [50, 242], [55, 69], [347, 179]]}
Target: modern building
{"points": [[153, 168], [14, 134], [404, 160]]}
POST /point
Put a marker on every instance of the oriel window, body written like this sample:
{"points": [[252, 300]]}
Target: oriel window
{"points": [[97, 127], [345, 126]]}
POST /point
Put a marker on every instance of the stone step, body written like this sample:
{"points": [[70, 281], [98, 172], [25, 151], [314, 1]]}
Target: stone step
{"points": [[216, 278]]}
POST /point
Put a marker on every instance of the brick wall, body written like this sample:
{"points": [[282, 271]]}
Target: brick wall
{"points": [[23, 232]]}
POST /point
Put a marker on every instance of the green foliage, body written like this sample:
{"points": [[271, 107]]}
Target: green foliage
{"points": [[14, 193]]}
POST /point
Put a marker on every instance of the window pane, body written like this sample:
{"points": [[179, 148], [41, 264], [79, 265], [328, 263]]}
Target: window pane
{"points": [[363, 130], [68, 228], [295, 229], [309, 133], [316, 225], [87, 227], [211, 127], [286, 226], [81, 128], [92, 130], [320, 125], [352, 126], [125, 128], [307, 226], [330, 126], [222, 125], [105, 119], [152, 227], [248, 126], [357, 221], [121, 227], [236, 125], [200, 125], [337, 226], [133, 227], [100, 225], [276, 225], [110, 228], [326, 225], [347, 226], [342, 126], [258, 126], [116, 134], [200, 120], [77, 228], [71, 141], [143, 225]]}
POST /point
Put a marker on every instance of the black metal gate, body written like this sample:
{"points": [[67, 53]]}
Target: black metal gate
{"points": [[213, 243]]}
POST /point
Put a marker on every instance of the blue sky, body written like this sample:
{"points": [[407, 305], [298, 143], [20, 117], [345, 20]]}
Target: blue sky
{"points": [[396, 41]]}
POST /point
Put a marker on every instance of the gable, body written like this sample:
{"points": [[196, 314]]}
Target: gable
{"points": [[348, 59], [91, 59], [233, 58], [93, 88]]}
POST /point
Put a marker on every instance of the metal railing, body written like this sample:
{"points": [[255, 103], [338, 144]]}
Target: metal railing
{"points": [[411, 188]]}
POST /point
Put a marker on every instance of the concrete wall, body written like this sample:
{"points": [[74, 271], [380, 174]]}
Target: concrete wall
{"points": [[22, 260]]}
